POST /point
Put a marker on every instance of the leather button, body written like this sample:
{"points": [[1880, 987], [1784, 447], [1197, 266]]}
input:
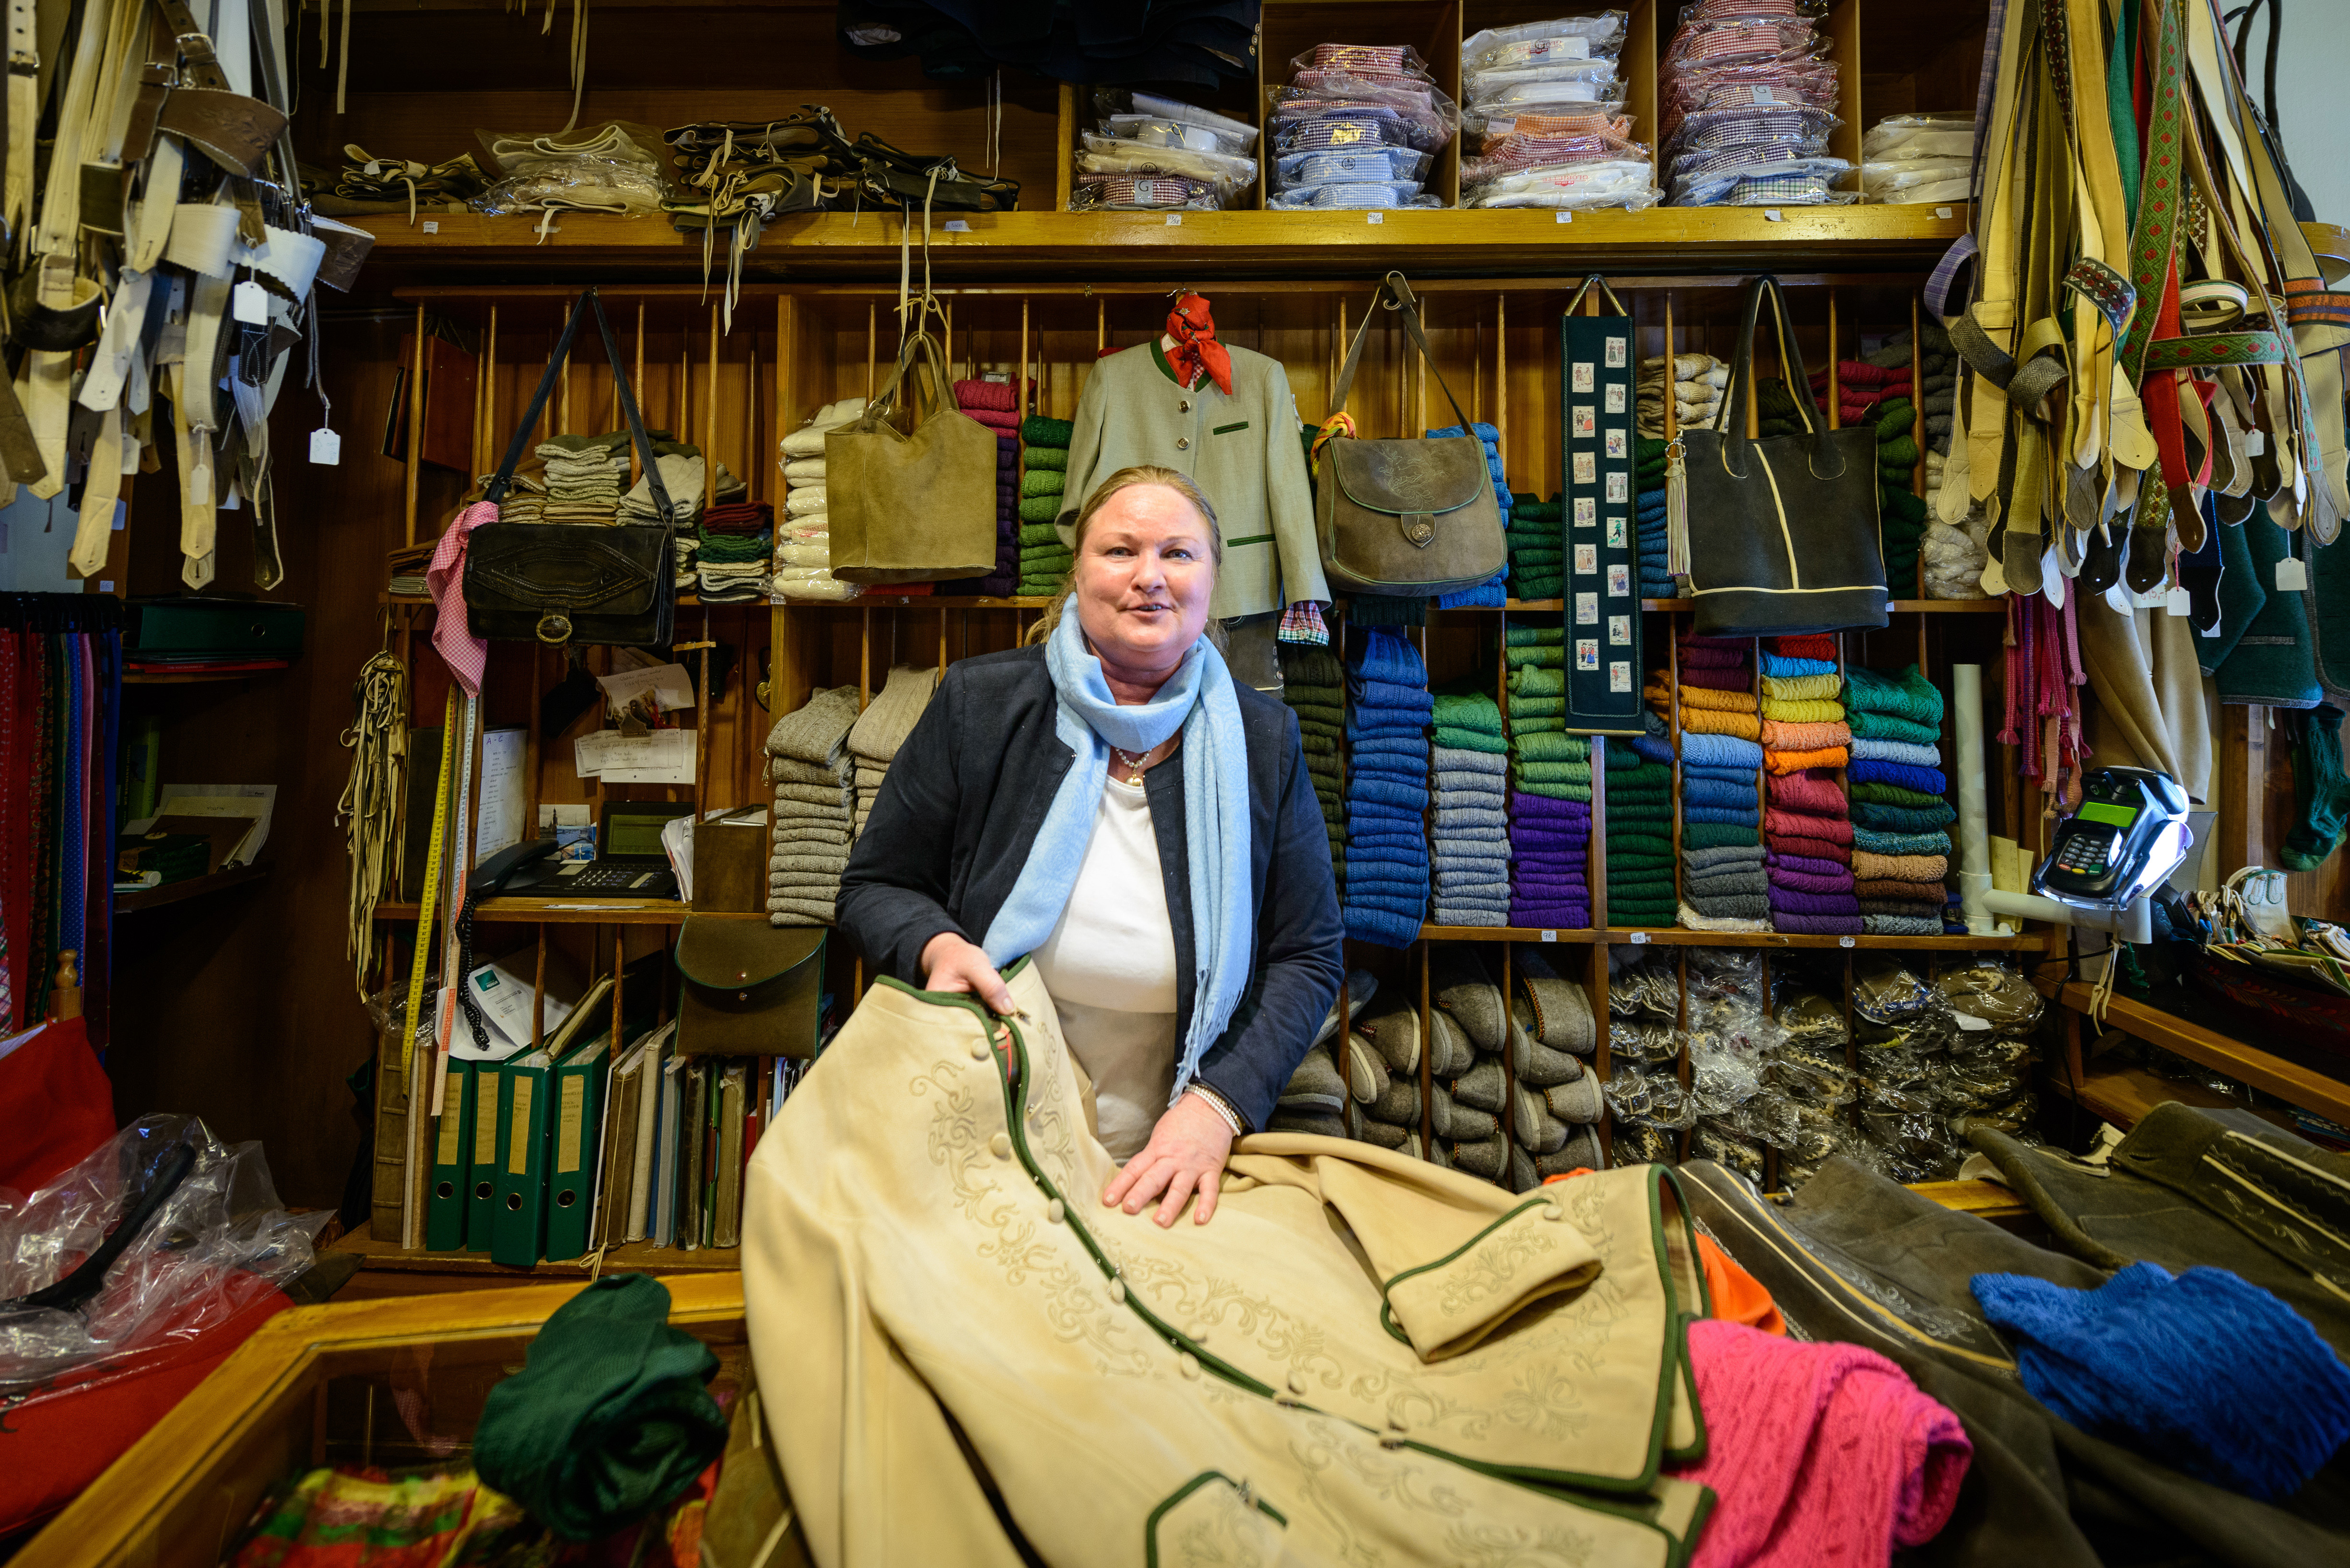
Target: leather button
{"points": [[1182, 443], [1001, 1145], [979, 1049], [1053, 1213], [1553, 1211], [1183, 407], [1118, 1291], [1189, 1364], [1297, 1382]]}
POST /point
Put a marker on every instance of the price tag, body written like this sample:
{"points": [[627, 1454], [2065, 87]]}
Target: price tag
{"points": [[1970, 1023], [431, 226], [1562, 217], [2256, 442], [249, 303], [1174, 220], [2291, 575], [1773, 215], [1844, 941], [326, 448], [958, 226], [1941, 212], [2176, 602], [1375, 217], [1639, 938], [1550, 936]]}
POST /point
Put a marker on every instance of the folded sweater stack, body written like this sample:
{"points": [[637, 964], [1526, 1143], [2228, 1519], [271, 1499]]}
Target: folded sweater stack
{"points": [[1490, 593], [1640, 837], [1693, 381], [1313, 684], [996, 405], [1387, 711], [1648, 518], [1722, 885], [583, 477], [803, 542], [1551, 1030], [1864, 384], [1901, 512], [882, 728], [815, 808], [1538, 548], [1806, 827], [1468, 766], [1043, 558], [733, 561], [1900, 817], [1550, 786]]}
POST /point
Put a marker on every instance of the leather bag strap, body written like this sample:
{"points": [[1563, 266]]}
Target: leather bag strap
{"points": [[1396, 295], [502, 481], [918, 344], [1732, 423]]}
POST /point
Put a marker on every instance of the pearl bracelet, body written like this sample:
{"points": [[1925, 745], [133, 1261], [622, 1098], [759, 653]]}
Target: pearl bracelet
{"points": [[1222, 1107]]}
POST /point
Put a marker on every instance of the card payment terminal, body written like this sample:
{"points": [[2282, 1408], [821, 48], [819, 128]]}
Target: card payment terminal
{"points": [[2130, 833]]}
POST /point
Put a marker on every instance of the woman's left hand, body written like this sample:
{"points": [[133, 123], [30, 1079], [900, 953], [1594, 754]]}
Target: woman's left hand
{"points": [[1185, 1155]]}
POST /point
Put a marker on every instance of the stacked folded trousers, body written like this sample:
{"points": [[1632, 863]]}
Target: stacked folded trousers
{"points": [[1900, 812], [803, 552], [816, 804], [1550, 786], [882, 728], [1313, 684], [1469, 833], [1388, 713], [1723, 884], [1806, 826], [1043, 558]]}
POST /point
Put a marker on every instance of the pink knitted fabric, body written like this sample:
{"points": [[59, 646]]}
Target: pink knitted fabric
{"points": [[1817, 1454]]}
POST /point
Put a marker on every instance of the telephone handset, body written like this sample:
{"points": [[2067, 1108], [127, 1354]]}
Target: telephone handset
{"points": [[491, 875], [2130, 833]]}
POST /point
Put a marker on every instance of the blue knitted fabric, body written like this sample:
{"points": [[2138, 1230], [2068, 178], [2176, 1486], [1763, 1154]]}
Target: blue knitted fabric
{"points": [[1388, 712], [1721, 776], [1721, 750], [1365, 786], [1752, 817], [1903, 818], [1863, 748], [1492, 592], [1652, 748], [1781, 667], [1390, 700], [1400, 743], [1924, 781], [1718, 792], [1878, 842], [2203, 1371], [1368, 921]]}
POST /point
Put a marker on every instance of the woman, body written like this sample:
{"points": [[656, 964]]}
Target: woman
{"points": [[1115, 805]]}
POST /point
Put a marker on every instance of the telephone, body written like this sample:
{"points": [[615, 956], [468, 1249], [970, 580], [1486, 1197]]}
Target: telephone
{"points": [[491, 875], [2130, 833]]}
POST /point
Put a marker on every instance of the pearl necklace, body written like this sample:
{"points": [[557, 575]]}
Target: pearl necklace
{"points": [[1131, 762]]}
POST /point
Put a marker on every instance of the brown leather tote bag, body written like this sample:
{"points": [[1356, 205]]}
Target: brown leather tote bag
{"points": [[917, 507], [1410, 517]]}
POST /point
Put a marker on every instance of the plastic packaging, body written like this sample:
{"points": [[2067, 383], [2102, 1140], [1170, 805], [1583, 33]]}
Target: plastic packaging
{"points": [[1643, 1043], [1357, 99], [1358, 196], [1099, 154], [1599, 36], [1885, 990], [1909, 137], [1647, 986], [1544, 101], [614, 166], [1993, 993], [812, 583], [1804, 182], [219, 1243], [1154, 131], [1398, 61], [1656, 1099], [1537, 95], [1144, 192], [1109, 101], [1296, 171], [1745, 100]]}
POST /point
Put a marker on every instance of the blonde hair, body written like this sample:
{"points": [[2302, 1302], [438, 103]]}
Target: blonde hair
{"points": [[1127, 479]]}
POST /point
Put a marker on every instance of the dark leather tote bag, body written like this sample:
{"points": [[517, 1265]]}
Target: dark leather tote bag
{"points": [[1411, 517], [562, 583], [1782, 530]]}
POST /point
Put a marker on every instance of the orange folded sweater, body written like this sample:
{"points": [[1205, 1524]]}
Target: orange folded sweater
{"points": [[1796, 761]]}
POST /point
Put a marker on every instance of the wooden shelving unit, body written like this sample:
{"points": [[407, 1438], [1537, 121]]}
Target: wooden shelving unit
{"points": [[477, 1269], [2124, 1094], [2288, 1081], [192, 676], [193, 887]]}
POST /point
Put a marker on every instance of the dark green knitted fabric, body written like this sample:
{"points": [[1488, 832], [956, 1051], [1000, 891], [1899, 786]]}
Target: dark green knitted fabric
{"points": [[2319, 791], [1038, 431]]}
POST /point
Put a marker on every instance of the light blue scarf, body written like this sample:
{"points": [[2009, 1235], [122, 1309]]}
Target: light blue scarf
{"points": [[1199, 699]]}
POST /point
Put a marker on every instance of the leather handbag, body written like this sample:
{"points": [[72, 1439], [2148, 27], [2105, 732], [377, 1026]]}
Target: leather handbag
{"points": [[558, 583], [1410, 517], [1782, 531], [748, 988], [916, 507]]}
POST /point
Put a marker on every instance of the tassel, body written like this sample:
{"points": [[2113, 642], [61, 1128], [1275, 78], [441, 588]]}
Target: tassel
{"points": [[1677, 545]]}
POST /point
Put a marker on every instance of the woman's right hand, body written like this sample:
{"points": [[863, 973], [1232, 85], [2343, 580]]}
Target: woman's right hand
{"points": [[950, 963]]}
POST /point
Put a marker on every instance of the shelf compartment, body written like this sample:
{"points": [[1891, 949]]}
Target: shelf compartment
{"points": [[2288, 1081], [193, 887]]}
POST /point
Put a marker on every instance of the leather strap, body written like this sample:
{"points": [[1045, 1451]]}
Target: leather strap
{"points": [[1824, 462], [502, 481], [2212, 304], [1394, 294], [54, 328]]}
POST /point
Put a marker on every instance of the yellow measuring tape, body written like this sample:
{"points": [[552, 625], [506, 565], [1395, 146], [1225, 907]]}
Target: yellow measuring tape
{"points": [[431, 887]]}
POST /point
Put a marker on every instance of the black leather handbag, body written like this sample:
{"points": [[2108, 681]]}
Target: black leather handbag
{"points": [[1410, 517], [1782, 530], [559, 583]]}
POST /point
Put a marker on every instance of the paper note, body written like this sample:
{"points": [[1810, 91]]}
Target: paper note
{"points": [[254, 801], [666, 684], [505, 792], [664, 756]]}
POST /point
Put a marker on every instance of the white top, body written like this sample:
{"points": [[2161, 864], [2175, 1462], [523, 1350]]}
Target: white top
{"points": [[1110, 965]]}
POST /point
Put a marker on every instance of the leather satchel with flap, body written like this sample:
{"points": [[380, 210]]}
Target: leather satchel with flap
{"points": [[562, 583], [1411, 517], [1782, 531], [748, 988]]}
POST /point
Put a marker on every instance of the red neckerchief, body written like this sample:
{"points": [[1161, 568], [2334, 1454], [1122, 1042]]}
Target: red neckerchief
{"points": [[1195, 347]]}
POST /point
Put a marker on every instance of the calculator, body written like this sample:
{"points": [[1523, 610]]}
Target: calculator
{"points": [[2129, 834]]}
